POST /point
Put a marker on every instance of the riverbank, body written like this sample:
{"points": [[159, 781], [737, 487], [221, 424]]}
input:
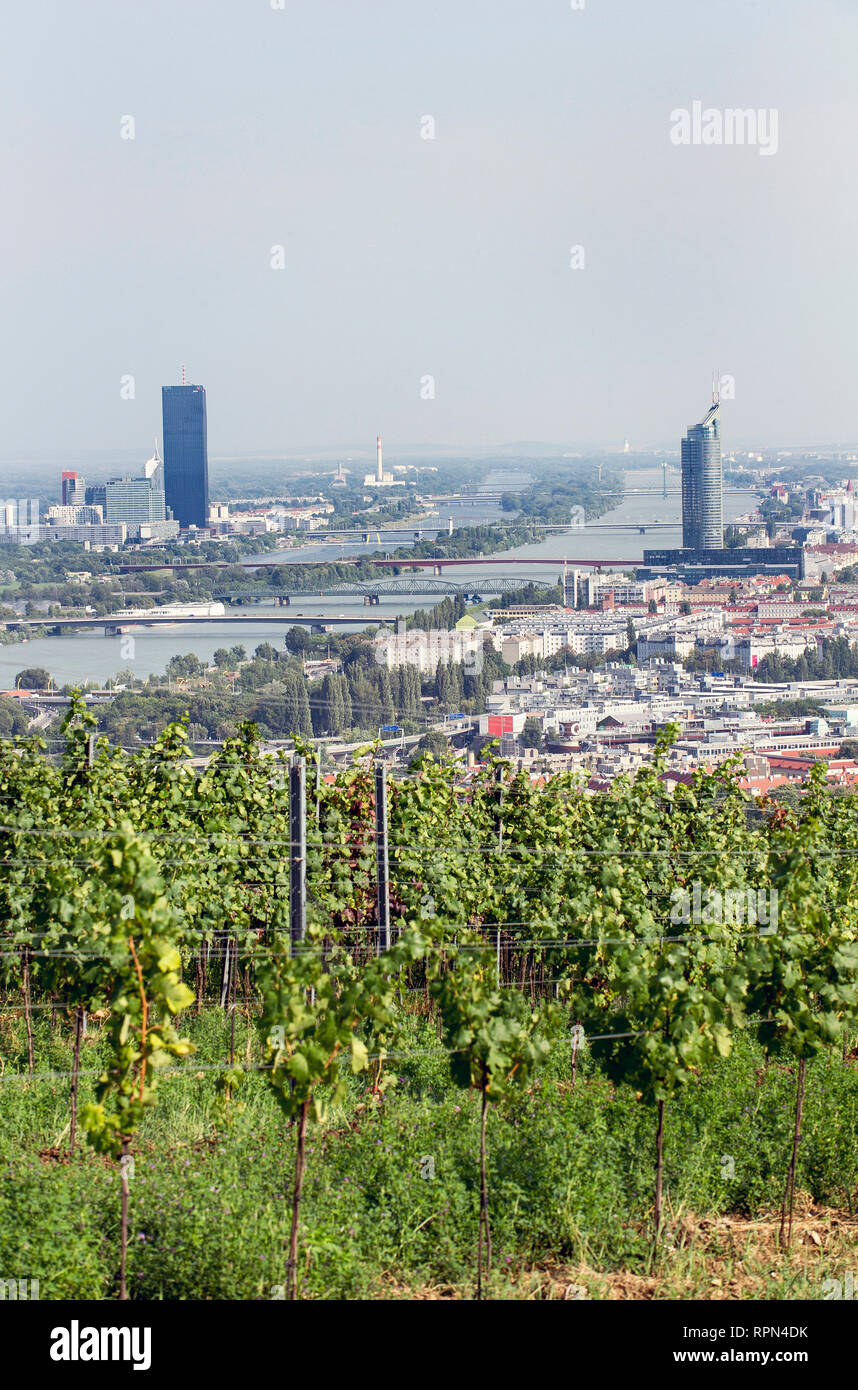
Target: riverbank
{"points": [[89, 656]]}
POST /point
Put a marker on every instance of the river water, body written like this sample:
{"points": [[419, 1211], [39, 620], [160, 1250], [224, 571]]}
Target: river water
{"points": [[90, 656]]}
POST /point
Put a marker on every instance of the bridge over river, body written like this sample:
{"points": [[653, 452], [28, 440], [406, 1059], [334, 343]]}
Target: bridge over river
{"points": [[372, 592], [411, 585], [417, 563], [115, 623]]}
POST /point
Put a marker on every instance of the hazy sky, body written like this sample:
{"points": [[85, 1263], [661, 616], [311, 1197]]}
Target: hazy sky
{"points": [[300, 127]]}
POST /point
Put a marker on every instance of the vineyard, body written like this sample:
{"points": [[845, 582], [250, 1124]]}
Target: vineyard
{"points": [[265, 1034]]}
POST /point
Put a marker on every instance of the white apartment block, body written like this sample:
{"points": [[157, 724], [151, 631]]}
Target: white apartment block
{"points": [[749, 651], [665, 646], [426, 649]]}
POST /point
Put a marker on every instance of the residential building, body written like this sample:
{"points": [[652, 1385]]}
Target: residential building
{"points": [[425, 650]]}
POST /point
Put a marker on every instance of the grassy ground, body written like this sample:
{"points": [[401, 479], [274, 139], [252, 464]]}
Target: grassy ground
{"points": [[391, 1191]]}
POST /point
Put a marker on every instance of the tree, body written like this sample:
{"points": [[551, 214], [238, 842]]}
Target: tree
{"points": [[181, 666], [527, 665], [674, 996], [139, 936], [298, 640], [316, 1011], [436, 744], [442, 684], [531, 734], [221, 657], [385, 695], [13, 720], [33, 678], [333, 709], [494, 1041], [802, 978]]}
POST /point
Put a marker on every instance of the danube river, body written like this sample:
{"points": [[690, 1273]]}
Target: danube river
{"points": [[90, 656]]}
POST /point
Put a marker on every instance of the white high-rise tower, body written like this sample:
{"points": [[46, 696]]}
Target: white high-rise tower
{"points": [[153, 468], [379, 470]]}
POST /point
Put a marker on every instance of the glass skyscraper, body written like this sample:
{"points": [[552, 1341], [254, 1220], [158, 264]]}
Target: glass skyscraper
{"points": [[186, 463], [703, 485]]}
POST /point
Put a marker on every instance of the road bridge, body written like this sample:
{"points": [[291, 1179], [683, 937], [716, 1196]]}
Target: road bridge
{"points": [[408, 585], [572, 561], [117, 623], [403, 563]]}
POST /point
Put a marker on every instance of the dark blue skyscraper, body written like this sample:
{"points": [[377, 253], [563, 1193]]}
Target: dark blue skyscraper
{"points": [[702, 484], [186, 462]]}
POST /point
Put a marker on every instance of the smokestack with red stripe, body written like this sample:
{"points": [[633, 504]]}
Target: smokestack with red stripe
{"points": [[378, 472]]}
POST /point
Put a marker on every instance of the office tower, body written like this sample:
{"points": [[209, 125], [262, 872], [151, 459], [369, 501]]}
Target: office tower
{"points": [[186, 466], [702, 483], [133, 500], [379, 470], [73, 486]]}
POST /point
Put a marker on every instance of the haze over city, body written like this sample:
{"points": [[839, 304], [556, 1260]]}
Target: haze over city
{"points": [[427, 173]]}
